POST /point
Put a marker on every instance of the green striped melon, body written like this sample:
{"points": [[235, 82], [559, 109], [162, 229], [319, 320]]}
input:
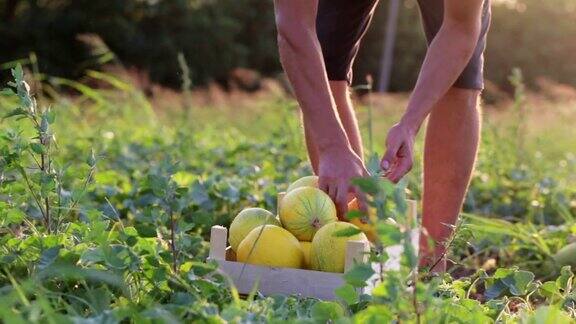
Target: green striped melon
{"points": [[308, 181], [305, 210], [328, 252]]}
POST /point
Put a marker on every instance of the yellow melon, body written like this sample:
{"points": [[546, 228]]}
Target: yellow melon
{"points": [[305, 210], [246, 221], [366, 223], [306, 246], [308, 181], [271, 246], [328, 252]]}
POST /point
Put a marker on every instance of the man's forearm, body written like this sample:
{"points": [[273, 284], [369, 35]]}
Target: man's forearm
{"points": [[301, 58], [447, 57]]}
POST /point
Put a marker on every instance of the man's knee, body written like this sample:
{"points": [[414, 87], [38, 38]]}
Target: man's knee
{"points": [[465, 98]]}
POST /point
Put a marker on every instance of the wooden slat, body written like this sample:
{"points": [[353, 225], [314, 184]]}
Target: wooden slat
{"points": [[218, 238], [395, 251], [284, 281], [356, 252]]}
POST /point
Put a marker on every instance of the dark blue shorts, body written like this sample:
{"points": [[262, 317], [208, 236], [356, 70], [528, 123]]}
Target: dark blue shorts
{"points": [[341, 24]]}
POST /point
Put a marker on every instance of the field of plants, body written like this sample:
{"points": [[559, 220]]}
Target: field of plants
{"points": [[106, 205]]}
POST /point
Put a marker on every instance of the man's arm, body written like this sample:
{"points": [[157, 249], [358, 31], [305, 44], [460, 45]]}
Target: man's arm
{"points": [[301, 57], [447, 56]]}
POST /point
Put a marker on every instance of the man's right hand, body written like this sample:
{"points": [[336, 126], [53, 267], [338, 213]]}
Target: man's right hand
{"points": [[303, 62], [337, 167]]}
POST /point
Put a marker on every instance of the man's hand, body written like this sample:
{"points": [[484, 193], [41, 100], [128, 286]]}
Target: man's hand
{"points": [[336, 168], [399, 156]]}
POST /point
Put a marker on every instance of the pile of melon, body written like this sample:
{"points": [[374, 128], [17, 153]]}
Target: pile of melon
{"points": [[304, 234]]}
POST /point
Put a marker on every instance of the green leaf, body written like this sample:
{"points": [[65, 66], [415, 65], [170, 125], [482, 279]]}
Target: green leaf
{"points": [[202, 269], [158, 184], [7, 92], [47, 184], [492, 226], [389, 234], [146, 230], [50, 116], [48, 257], [519, 282], [548, 315], [376, 314], [400, 197], [15, 216], [199, 194], [565, 279], [93, 255], [350, 215], [367, 185], [44, 124], [18, 73], [15, 112], [359, 274], [495, 290], [347, 232], [37, 148], [324, 311], [71, 272], [502, 273], [347, 293], [373, 165], [91, 161], [516, 282], [548, 289], [409, 255]]}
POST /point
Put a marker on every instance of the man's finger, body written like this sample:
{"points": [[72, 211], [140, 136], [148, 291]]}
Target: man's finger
{"points": [[361, 199], [332, 191], [389, 158], [404, 166], [323, 184], [342, 200]]}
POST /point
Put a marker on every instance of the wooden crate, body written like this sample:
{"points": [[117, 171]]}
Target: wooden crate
{"points": [[305, 283]]}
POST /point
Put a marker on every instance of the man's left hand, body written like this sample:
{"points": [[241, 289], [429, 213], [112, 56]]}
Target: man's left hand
{"points": [[399, 157]]}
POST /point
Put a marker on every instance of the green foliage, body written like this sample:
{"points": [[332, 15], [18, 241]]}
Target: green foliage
{"points": [[213, 36], [218, 35], [128, 241]]}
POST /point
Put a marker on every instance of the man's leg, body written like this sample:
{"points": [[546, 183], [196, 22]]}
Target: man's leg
{"points": [[341, 94], [452, 139]]}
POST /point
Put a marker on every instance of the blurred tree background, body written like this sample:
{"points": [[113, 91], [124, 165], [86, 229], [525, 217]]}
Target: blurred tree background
{"points": [[216, 36]]}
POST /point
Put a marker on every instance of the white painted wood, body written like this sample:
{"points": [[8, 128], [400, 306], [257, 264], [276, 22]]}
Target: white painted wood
{"points": [[356, 252], [395, 251], [284, 281], [218, 238], [393, 263]]}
